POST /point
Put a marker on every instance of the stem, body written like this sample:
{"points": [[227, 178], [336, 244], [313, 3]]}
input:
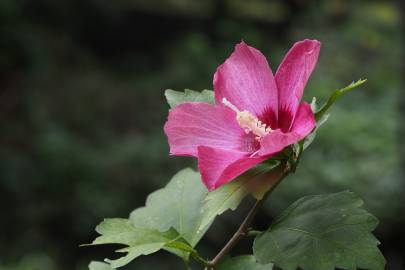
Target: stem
{"points": [[198, 258], [237, 236], [244, 227], [186, 265]]}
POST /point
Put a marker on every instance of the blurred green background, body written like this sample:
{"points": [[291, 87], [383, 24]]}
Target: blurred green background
{"points": [[82, 112]]}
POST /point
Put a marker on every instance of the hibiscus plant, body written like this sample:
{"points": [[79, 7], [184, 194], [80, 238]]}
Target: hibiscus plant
{"points": [[248, 135]]}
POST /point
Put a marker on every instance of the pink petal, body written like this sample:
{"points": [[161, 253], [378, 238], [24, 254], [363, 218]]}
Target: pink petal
{"points": [[304, 121], [246, 80], [292, 76], [218, 167], [277, 140], [190, 125]]}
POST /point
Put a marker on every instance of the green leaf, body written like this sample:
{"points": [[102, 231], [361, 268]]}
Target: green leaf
{"points": [[335, 95], [177, 216], [257, 182], [320, 233], [175, 98], [177, 206], [245, 262], [138, 241], [185, 205], [99, 266]]}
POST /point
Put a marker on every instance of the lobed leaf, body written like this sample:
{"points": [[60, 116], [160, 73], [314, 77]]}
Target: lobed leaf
{"points": [[178, 215], [138, 241], [175, 98], [185, 205], [178, 205], [320, 233]]}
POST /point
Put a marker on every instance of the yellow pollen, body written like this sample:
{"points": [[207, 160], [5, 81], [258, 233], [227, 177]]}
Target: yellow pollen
{"points": [[248, 121]]}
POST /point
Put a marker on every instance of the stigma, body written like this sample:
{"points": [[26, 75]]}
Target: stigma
{"points": [[248, 121]]}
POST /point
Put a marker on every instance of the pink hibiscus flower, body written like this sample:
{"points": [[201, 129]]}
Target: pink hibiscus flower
{"points": [[256, 114]]}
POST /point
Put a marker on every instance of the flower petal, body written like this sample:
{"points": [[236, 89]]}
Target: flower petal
{"points": [[192, 124], [291, 78], [246, 80], [277, 140], [304, 121], [218, 167]]}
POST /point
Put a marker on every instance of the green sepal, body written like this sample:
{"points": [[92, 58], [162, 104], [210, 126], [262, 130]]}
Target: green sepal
{"points": [[321, 115], [335, 96]]}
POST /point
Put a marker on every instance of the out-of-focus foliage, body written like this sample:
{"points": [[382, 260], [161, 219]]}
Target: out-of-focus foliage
{"points": [[82, 108]]}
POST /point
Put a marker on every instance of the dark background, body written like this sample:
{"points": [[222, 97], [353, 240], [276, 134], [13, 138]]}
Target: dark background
{"points": [[82, 112]]}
